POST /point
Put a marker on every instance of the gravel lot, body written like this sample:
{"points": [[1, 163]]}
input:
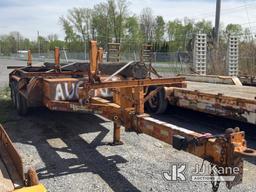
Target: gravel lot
{"points": [[70, 151]]}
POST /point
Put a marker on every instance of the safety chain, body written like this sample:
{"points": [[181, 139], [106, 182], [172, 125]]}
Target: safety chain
{"points": [[216, 185]]}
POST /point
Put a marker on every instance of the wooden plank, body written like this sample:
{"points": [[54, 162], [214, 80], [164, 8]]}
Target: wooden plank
{"points": [[243, 92]]}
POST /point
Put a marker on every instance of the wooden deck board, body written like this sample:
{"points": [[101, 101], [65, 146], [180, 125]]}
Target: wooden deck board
{"points": [[243, 92]]}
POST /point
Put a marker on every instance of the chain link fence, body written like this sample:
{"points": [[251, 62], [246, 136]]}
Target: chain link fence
{"points": [[166, 64]]}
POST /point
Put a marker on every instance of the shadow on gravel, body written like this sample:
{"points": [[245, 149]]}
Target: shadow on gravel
{"points": [[57, 138]]}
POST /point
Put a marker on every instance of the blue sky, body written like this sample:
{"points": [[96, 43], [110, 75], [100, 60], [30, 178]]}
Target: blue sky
{"points": [[30, 16]]}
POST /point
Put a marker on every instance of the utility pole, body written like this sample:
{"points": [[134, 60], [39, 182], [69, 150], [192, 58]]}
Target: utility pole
{"points": [[85, 44], [217, 23], [18, 39], [85, 52], [38, 41]]}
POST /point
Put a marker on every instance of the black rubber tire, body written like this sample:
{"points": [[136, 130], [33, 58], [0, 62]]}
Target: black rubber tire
{"points": [[21, 104], [157, 104], [13, 93]]}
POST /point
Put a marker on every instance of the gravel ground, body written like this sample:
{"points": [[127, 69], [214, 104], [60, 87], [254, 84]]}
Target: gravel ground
{"points": [[70, 151]]}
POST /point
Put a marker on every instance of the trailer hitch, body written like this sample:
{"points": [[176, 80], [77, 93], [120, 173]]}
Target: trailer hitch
{"points": [[224, 152]]}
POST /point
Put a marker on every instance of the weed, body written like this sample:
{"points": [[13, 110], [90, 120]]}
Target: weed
{"points": [[5, 104]]}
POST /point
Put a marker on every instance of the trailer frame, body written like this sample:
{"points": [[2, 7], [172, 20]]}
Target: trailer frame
{"points": [[126, 108]]}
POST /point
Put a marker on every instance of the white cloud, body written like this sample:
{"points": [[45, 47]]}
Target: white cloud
{"points": [[31, 16]]}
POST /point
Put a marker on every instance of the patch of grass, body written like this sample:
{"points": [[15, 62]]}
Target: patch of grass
{"points": [[5, 104]]}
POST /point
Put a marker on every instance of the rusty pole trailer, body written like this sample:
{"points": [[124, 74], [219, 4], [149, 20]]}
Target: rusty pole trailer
{"points": [[79, 92]]}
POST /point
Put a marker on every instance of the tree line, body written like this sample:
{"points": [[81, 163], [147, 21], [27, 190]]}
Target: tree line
{"points": [[112, 21], [15, 41]]}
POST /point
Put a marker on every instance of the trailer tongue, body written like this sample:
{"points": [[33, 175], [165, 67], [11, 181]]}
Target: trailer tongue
{"points": [[78, 91]]}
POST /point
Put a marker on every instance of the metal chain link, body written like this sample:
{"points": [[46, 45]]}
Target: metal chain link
{"points": [[216, 185]]}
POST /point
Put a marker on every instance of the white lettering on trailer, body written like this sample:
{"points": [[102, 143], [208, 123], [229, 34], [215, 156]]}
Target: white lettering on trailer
{"points": [[59, 93], [72, 92], [64, 92]]}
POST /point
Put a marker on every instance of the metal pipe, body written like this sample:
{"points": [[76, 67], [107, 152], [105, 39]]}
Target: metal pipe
{"points": [[62, 67], [65, 54], [119, 71]]}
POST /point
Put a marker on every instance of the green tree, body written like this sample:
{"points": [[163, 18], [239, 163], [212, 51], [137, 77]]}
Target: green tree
{"points": [[175, 34], [132, 35], [203, 26], [78, 21], [117, 12], [159, 29], [108, 21], [100, 23], [147, 22], [70, 35], [234, 29]]}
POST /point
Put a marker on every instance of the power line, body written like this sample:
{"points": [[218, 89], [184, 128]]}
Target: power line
{"points": [[248, 18], [224, 11]]}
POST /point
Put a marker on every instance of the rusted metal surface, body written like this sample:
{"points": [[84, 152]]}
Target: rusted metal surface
{"points": [[219, 150], [229, 101], [136, 83], [126, 108], [11, 159], [57, 58], [29, 63], [100, 55], [97, 106], [68, 89], [5, 180], [24, 73], [117, 134], [12, 177], [135, 70], [14, 77], [34, 92], [65, 89], [93, 70]]}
